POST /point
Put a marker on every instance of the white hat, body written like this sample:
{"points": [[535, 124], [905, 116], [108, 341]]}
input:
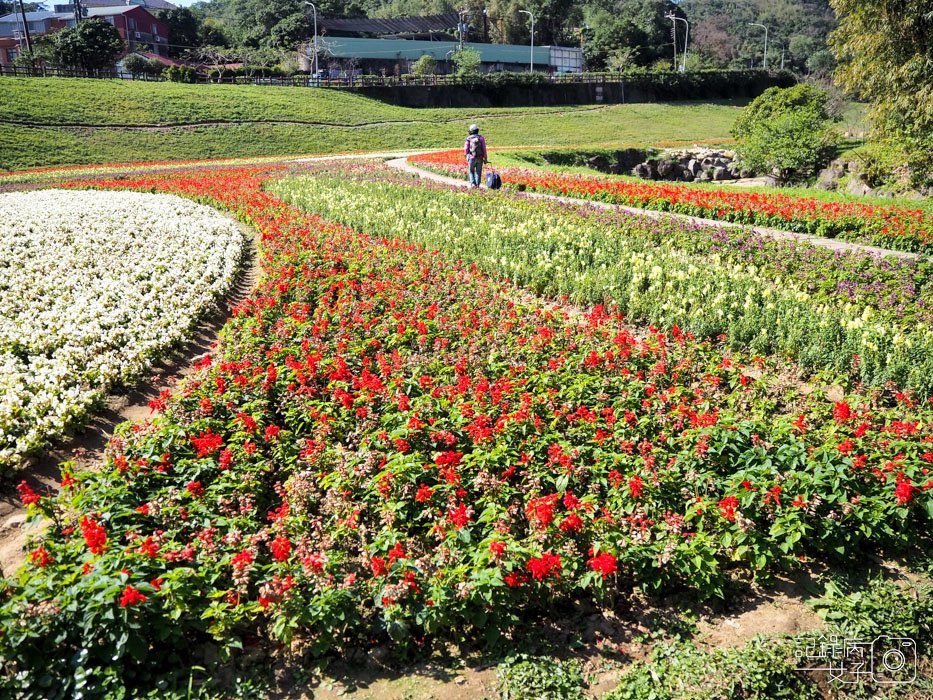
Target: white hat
{"points": [[474, 129]]}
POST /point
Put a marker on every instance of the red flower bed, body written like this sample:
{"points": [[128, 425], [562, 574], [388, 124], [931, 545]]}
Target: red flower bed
{"points": [[885, 226], [390, 446]]}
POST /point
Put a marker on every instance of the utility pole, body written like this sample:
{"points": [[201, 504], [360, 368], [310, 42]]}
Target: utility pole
{"points": [[764, 61], [463, 28], [683, 61], [79, 14], [674, 35], [314, 10], [22, 11], [531, 61]]}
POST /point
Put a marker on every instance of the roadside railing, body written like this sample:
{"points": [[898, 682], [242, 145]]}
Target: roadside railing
{"points": [[302, 80]]}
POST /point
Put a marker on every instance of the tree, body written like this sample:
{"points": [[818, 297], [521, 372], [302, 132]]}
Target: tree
{"points": [[622, 59], [211, 33], [218, 57], [786, 132], [885, 54], [271, 23], [720, 32], [92, 45], [630, 24], [184, 29]]}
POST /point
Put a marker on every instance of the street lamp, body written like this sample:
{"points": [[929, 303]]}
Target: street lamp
{"points": [[531, 62], [674, 18], [314, 10], [764, 62]]}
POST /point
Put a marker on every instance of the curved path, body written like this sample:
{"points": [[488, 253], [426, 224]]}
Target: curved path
{"points": [[403, 165]]}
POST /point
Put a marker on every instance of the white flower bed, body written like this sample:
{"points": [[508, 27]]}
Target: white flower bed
{"points": [[93, 286]]}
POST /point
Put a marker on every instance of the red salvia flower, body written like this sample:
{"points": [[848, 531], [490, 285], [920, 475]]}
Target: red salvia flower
{"points": [[545, 566], [281, 547], [131, 596], [727, 507], [603, 563], [94, 535], [27, 495]]}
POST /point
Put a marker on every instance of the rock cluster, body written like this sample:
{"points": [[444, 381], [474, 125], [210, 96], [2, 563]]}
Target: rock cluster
{"points": [[848, 176], [690, 165]]}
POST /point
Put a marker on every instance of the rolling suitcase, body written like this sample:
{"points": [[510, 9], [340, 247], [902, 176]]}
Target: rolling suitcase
{"points": [[493, 181]]}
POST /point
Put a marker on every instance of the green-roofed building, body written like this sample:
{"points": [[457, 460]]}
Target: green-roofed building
{"points": [[396, 55]]}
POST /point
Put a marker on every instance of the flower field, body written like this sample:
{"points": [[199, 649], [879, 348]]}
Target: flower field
{"points": [[391, 444], [93, 286], [850, 314], [889, 227]]}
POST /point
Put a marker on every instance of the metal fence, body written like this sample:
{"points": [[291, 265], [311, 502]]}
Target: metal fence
{"points": [[301, 80]]}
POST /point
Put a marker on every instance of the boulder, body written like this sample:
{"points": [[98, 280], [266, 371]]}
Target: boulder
{"points": [[720, 173], [600, 163], [668, 169], [693, 165], [828, 178], [857, 186], [642, 170], [687, 176], [628, 158]]}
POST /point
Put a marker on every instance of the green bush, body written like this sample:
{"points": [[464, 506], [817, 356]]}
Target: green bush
{"points": [[426, 65], [897, 166], [880, 608], [467, 61], [786, 132], [706, 84], [180, 74], [135, 64]]}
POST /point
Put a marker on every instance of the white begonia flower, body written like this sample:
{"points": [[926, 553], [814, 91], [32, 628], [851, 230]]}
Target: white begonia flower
{"points": [[92, 286]]}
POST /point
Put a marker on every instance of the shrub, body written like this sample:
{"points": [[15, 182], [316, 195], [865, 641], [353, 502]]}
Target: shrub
{"points": [[426, 65], [786, 132], [135, 64], [180, 74], [93, 45], [758, 671], [467, 61]]}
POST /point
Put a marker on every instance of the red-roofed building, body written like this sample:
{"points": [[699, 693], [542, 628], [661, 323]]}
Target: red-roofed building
{"points": [[136, 25]]}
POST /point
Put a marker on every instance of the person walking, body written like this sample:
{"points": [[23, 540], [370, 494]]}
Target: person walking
{"points": [[475, 151]]}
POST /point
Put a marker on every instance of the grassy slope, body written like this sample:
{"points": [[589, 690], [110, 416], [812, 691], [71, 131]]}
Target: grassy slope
{"points": [[54, 102]]}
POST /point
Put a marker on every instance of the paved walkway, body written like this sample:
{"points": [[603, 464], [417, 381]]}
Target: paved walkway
{"points": [[403, 165]]}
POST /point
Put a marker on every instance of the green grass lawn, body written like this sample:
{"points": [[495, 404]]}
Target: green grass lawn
{"points": [[345, 122]]}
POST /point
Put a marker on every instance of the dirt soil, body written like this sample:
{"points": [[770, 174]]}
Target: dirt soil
{"points": [[604, 642]]}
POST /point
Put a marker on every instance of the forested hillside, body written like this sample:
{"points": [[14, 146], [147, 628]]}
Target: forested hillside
{"points": [[614, 34]]}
